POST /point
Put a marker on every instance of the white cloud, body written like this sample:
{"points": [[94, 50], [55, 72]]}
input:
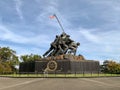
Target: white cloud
{"points": [[89, 36], [110, 9], [7, 35], [111, 37], [100, 43], [18, 4], [110, 41]]}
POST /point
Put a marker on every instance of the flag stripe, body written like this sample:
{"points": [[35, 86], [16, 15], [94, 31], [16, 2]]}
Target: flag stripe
{"points": [[51, 17]]}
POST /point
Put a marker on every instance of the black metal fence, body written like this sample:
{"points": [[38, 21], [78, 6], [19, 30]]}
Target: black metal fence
{"points": [[55, 75]]}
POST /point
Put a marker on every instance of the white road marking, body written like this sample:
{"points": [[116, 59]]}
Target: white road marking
{"points": [[101, 83], [5, 78], [23, 83]]}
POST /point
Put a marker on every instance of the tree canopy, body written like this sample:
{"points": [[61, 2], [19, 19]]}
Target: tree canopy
{"points": [[31, 57], [111, 67], [8, 59]]}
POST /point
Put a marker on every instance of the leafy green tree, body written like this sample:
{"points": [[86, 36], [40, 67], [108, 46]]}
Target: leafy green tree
{"points": [[5, 67], [104, 67], [118, 69], [111, 67], [8, 59], [31, 57]]}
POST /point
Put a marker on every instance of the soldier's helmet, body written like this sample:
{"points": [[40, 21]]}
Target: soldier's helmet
{"points": [[78, 43], [57, 36], [63, 34]]}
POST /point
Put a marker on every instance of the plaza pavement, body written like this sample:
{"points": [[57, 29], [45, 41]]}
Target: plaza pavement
{"points": [[105, 83]]}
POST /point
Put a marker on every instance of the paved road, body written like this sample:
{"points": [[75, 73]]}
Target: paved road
{"points": [[112, 83]]}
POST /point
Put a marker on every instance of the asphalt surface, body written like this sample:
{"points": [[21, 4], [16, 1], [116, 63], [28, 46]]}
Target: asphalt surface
{"points": [[111, 83]]}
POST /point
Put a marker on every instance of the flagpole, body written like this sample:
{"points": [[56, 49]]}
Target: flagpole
{"points": [[59, 22]]}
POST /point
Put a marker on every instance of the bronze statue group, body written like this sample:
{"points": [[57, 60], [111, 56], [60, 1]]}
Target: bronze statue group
{"points": [[62, 44]]}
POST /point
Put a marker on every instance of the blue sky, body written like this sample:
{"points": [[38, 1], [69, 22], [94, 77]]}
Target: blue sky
{"points": [[25, 26]]}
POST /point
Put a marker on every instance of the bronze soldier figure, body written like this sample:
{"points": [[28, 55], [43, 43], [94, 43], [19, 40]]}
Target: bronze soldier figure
{"points": [[73, 47], [52, 46], [62, 45]]}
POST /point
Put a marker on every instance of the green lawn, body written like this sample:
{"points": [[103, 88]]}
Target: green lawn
{"points": [[59, 75]]}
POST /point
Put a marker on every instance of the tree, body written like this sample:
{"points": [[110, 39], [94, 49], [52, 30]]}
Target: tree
{"points": [[8, 59], [118, 69], [111, 67], [104, 67], [31, 57]]}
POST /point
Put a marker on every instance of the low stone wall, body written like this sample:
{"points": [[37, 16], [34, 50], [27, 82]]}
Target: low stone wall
{"points": [[68, 65]]}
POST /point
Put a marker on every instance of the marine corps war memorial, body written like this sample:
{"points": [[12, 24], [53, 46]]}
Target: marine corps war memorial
{"points": [[61, 58]]}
